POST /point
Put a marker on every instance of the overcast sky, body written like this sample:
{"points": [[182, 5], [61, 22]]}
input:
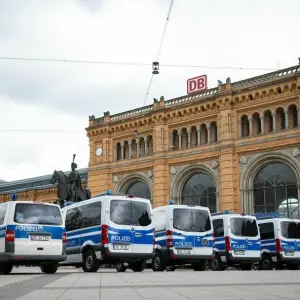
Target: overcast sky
{"points": [[261, 34]]}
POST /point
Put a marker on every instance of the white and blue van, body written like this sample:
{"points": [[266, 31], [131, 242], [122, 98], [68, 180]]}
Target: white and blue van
{"points": [[109, 229], [31, 234], [183, 235], [280, 242], [236, 241]]}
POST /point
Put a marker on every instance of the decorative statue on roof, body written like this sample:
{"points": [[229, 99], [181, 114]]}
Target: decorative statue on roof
{"points": [[69, 188]]}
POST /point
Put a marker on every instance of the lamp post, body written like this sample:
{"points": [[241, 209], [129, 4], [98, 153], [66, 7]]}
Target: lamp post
{"points": [[155, 67]]}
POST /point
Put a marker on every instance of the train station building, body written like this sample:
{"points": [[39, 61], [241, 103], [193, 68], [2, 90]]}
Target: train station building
{"points": [[235, 146]]}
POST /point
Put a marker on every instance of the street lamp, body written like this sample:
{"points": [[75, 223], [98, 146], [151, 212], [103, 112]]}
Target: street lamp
{"points": [[155, 67]]}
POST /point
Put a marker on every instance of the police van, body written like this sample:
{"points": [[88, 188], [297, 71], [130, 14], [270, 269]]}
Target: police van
{"points": [[183, 235], [280, 242], [109, 229], [236, 241], [31, 234]]}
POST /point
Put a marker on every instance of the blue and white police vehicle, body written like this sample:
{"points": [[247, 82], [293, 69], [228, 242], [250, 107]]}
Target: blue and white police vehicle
{"points": [[31, 234], [236, 241], [280, 241], [183, 235], [109, 229]]}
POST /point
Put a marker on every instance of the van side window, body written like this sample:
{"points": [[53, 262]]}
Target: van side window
{"points": [[266, 231], [218, 227], [160, 220], [73, 219], [91, 214], [3, 209]]}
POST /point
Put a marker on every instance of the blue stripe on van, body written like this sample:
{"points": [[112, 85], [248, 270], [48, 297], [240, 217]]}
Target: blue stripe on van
{"points": [[22, 231], [2, 231], [238, 244], [83, 231]]}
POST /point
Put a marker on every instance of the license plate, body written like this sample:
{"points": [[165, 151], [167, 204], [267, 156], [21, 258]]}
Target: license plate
{"points": [[184, 251], [121, 247], [41, 238], [239, 252], [289, 253]]}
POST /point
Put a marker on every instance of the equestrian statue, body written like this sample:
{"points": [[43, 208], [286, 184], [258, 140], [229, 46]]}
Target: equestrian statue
{"points": [[69, 188]]}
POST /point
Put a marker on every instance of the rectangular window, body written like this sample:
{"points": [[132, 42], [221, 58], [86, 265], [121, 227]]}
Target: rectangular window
{"points": [[266, 231], [160, 220], [244, 227], [188, 219], [290, 229], [126, 212], [73, 219], [91, 214], [218, 225], [3, 209], [34, 213]]}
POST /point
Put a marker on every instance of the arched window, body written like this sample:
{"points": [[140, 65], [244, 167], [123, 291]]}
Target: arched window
{"points": [[119, 151], [268, 121], [293, 116], [280, 118], [200, 189], [194, 136], [126, 150], [150, 145], [275, 189], [256, 124], [213, 132], [139, 189], [175, 140], [245, 126], [184, 138]]}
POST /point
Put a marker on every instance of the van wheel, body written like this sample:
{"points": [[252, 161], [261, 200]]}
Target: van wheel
{"points": [[266, 263], [216, 264], [120, 267], [158, 264], [49, 269], [90, 262], [138, 266], [200, 266], [6, 268]]}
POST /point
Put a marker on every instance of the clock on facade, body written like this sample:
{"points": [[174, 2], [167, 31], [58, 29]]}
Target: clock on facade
{"points": [[99, 151]]}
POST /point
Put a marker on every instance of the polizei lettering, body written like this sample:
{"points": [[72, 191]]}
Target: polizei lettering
{"points": [[183, 244], [237, 246], [117, 238], [29, 228]]}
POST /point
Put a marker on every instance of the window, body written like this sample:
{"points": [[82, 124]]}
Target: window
{"points": [[91, 214], [139, 189], [160, 220], [188, 219], [3, 209], [290, 229], [244, 227], [200, 190], [73, 219], [41, 214], [218, 227], [126, 212], [266, 231]]}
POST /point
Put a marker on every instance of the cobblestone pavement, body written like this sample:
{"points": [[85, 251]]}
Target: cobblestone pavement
{"points": [[71, 283]]}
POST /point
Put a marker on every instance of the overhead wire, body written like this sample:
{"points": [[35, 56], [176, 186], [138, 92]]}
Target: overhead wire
{"points": [[159, 48]]}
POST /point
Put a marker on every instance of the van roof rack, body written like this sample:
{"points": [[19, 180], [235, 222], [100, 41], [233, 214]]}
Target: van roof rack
{"points": [[225, 212]]}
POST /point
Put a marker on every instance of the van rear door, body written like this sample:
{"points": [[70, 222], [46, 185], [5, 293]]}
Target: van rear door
{"points": [[38, 229], [290, 238]]}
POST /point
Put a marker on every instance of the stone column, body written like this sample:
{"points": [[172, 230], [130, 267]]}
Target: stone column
{"points": [[240, 128], [122, 150], [179, 137], [298, 116], [116, 153], [208, 133], [262, 124], [130, 150], [189, 138], [286, 118], [250, 126], [137, 148], [146, 147], [199, 136], [274, 121]]}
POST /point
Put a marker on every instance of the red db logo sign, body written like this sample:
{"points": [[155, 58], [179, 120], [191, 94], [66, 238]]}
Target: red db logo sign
{"points": [[196, 84]]}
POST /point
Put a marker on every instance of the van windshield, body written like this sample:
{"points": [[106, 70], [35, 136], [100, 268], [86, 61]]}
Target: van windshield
{"points": [[42, 214], [244, 227], [126, 212], [290, 229], [188, 219], [3, 208]]}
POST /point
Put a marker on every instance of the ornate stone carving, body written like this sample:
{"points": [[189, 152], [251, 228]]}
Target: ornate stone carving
{"points": [[214, 164], [173, 170], [296, 152], [115, 179], [150, 174], [243, 160]]}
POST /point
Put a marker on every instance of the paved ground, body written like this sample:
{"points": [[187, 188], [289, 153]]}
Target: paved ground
{"points": [[30, 284]]}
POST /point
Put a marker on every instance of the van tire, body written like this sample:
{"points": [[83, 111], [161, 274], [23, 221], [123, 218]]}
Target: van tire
{"points": [[158, 264], [90, 262], [120, 267], [138, 266], [49, 269], [216, 264], [200, 266], [266, 263], [5, 269]]}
